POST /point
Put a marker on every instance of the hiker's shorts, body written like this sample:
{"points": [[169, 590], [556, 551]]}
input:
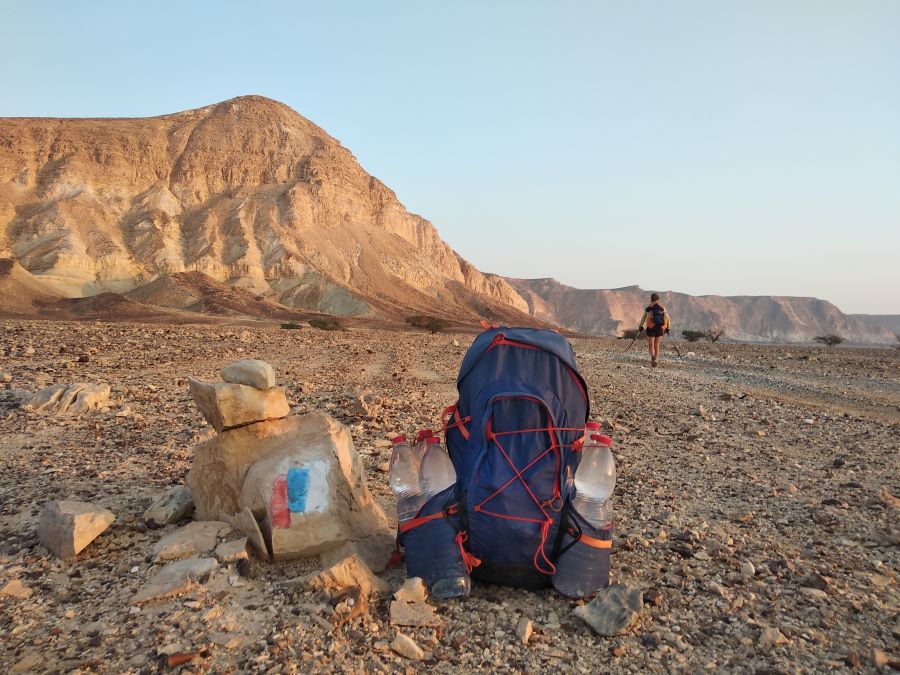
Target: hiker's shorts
{"points": [[654, 332]]}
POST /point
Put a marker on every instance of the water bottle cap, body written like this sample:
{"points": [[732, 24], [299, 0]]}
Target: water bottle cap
{"points": [[592, 425], [602, 440], [398, 439], [423, 434], [433, 439]]}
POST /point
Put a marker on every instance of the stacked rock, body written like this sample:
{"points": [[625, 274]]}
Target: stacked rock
{"points": [[247, 395], [293, 484]]}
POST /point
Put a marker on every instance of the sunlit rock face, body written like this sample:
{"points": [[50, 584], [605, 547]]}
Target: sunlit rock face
{"points": [[247, 192]]}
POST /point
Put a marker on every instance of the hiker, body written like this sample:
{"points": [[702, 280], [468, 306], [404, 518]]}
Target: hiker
{"points": [[657, 319]]}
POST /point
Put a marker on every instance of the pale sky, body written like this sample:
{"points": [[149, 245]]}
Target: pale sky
{"points": [[734, 148]]}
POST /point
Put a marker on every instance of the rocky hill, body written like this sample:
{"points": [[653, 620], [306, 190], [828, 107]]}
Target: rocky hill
{"points": [[750, 318], [247, 192], [246, 207], [21, 293]]}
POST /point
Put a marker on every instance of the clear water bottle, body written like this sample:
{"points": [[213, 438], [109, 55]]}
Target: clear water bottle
{"points": [[422, 443], [595, 479], [404, 478], [435, 475], [437, 472]]}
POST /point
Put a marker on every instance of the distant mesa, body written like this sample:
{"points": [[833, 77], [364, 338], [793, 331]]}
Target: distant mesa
{"points": [[747, 318], [246, 208]]}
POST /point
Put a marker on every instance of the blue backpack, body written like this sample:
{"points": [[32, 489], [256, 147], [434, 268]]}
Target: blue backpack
{"points": [[657, 318], [522, 406]]}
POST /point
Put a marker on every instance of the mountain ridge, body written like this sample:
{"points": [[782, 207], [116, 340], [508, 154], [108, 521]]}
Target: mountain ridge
{"points": [[252, 194], [761, 318]]}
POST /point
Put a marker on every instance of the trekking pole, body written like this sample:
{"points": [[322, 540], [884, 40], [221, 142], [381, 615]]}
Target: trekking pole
{"points": [[675, 347], [633, 340]]}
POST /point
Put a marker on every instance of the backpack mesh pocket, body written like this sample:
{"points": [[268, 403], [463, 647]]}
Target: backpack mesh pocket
{"points": [[582, 557], [431, 548]]}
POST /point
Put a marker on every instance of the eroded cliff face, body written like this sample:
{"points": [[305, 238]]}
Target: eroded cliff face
{"points": [[749, 318], [246, 191]]}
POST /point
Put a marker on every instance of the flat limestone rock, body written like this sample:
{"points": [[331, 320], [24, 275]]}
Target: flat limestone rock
{"points": [[310, 491], [174, 579], [232, 551], [406, 646], [66, 527], [349, 573], [69, 398], [523, 630], [192, 539], [613, 611], [412, 590], [176, 503], [772, 637], [415, 614], [226, 406], [409, 608], [252, 372], [15, 589], [246, 523]]}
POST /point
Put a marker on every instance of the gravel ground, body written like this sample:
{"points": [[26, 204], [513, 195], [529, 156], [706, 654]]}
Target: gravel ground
{"points": [[757, 490]]}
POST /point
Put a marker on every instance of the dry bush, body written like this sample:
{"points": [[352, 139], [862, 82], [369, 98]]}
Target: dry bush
{"points": [[430, 323], [327, 323], [693, 335], [829, 340]]}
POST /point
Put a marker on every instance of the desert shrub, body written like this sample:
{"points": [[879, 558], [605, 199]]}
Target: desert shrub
{"points": [[714, 334], [429, 323], [326, 323], [693, 335], [290, 325], [829, 340], [629, 334]]}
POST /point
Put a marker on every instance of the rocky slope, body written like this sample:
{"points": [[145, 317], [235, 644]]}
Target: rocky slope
{"points": [[246, 191], [750, 318], [21, 293]]}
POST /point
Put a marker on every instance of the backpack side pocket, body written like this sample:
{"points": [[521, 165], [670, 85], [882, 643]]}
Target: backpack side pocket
{"points": [[582, 556], [431, 541]]}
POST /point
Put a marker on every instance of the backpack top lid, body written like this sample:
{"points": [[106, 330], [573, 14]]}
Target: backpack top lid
{"points": [[542, 338]]}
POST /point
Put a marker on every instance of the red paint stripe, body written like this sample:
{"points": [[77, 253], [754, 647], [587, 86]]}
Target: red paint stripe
{"points": [[278, 505]]}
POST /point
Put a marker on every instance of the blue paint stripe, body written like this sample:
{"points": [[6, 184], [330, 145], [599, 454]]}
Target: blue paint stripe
{"points": [[297, 488]]}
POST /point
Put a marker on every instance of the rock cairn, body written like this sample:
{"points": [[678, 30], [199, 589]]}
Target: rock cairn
{"points": [[293, 484]]}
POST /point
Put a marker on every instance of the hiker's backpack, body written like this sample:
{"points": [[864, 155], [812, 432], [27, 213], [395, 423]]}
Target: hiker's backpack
{"points": [[522, 407], [657, 317]]}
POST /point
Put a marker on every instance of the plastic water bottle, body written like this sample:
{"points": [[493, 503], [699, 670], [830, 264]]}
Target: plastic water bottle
{"points": [[437, 472], [435, 475], [595, 479], [404, 478], [422, 443]]}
